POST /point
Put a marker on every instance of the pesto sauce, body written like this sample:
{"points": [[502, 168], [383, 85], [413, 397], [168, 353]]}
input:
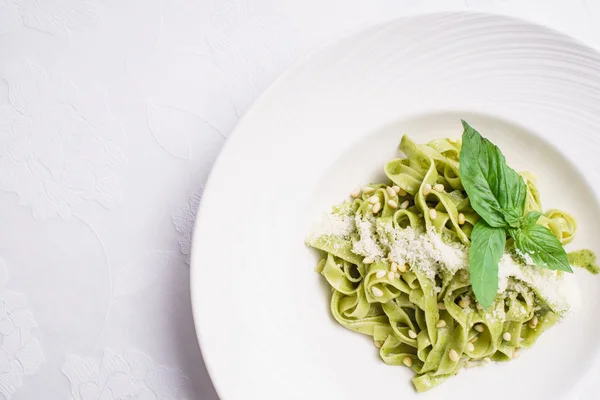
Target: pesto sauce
{"points": [[584, 259]]}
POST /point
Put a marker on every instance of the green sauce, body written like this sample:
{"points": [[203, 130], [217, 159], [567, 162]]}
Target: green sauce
{"points": [[584, 259]]}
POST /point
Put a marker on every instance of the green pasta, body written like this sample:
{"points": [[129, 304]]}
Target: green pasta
{"points": [[396, 258]]}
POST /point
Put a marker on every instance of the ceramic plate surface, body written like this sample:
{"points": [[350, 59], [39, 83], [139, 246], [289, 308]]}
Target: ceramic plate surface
{"points": [[330, 124]]}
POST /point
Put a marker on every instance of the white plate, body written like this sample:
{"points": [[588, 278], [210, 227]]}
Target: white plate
{"points": [[262, 313]]}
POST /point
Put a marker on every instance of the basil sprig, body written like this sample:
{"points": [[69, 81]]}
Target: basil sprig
{"points": [[498, 194]]}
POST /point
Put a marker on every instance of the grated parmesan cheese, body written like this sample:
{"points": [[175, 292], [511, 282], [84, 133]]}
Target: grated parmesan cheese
{"points": [[429, 253], [332, 224], [554, 287], [525, 257], [367, 246], [425, 251]]}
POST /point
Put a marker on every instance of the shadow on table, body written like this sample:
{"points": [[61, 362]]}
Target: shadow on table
{"points": [[202, 386]]}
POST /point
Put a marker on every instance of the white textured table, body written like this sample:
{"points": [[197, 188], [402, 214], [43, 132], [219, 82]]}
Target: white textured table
{"points": [[111, 114]]}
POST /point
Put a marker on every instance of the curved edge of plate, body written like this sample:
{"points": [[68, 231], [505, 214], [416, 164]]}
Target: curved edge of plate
{"points": [[199, 314]]}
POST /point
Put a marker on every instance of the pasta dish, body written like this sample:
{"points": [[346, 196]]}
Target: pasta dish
{"points": [[452, 262]]}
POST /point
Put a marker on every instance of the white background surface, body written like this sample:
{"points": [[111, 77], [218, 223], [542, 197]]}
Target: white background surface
{"points": [[111, 114]]}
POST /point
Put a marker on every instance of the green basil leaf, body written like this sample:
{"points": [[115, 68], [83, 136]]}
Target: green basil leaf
{"points": [[496, 192], [512, 194], [543, 247], [487, 247], [531, 218]]}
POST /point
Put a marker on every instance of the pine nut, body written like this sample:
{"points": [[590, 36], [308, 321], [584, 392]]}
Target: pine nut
{"points": [[432, 213], [479, 327], [441, 324], [507, 336], [391, 275], [461, 219], [426, 189], [376, 292], [392, 204], [402, 267], [377, 344], [412, 334], [439, 187], [394, 267], [374, 199], [404, 205], [355, 193], [368, 190], [441, 306], [396, 189], [533, 322], [368, 260], [453, 355], [380, 274], [407, 361], [391, 192], [376, 208]]}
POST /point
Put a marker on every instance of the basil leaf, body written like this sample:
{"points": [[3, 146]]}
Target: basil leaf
{"points": [[487, 247], [497, 193], [531, 218], [512, 194], [542, 246]]}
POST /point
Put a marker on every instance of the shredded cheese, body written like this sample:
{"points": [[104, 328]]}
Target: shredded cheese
{"points": [[553, 286], [332, 224], [425, 251], [367, 245], [429, 253]]}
